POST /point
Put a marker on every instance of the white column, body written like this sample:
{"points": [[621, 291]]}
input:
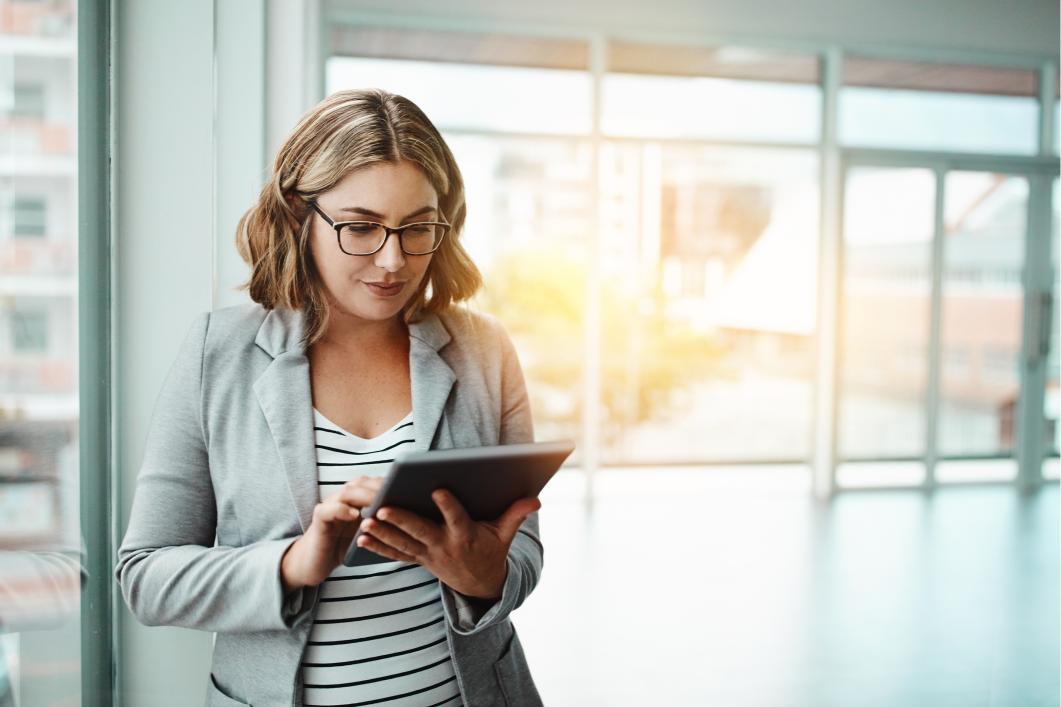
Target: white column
{"points": [[164, 193], [825, 398], [190, 137], [293, 65], [239, 139]]}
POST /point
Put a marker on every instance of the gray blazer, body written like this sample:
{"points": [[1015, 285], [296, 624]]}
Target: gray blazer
{"points": [[230, 453]]}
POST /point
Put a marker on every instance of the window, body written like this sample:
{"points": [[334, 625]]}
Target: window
{"points": [[29, 101], [984, 232], [942, 107], [471, 82], [41, 538], [29, 331], [710, 262], [28, 215], [884, 311], [725, 93]]}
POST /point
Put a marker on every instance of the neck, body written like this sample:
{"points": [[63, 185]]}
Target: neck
{"points": [[350, 333]]}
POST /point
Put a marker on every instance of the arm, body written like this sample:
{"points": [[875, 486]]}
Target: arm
{"points": [[169, 571], [526, 554]]}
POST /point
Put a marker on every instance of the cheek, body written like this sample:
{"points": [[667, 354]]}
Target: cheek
{"points": [[333, 270], [316, 251], [423, 269]]}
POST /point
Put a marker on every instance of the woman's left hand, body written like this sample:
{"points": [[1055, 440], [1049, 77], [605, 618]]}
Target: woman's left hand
{"points": [[469, 556]]}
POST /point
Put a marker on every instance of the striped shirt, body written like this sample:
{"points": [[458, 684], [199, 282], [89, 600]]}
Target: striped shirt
{"points": [[379, 634]]}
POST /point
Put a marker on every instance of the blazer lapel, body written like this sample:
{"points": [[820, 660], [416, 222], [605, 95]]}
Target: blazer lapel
{"points": [[432, 378], [286, 400], [285, 397]]}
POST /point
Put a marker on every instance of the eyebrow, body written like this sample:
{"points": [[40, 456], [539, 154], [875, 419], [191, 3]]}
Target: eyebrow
{"points": [[373, 214]]}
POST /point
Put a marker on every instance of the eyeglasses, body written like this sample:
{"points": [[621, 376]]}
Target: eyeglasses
{"points": [[368, 237]]}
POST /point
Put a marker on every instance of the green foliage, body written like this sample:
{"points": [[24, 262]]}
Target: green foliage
{"points": [[540, 296]]}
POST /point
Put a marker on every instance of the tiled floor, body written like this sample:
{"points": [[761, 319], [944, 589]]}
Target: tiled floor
{"points": [[733, 588]]}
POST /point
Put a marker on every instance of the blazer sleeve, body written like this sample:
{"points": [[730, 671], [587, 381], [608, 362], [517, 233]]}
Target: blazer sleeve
{"points": [[169, 569], [526, 553]]}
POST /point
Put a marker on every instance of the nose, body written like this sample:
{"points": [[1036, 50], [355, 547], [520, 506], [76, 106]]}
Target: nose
{"points": [[390, 256]]}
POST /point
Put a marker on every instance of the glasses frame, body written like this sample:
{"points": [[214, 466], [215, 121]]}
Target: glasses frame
{"points": [[400, 230]]}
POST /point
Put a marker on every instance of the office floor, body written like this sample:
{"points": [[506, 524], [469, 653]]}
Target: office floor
{"points": [[733, 588]]}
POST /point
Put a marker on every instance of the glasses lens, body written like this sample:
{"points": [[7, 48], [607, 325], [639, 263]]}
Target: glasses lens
{"points": [[422, 237], [361, 237], [365, 237]]}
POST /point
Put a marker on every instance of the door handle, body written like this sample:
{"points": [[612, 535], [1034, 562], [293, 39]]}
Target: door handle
{"points": [[1042, 320]]}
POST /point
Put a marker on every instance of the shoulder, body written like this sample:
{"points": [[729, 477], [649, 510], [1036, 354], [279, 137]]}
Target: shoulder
{"points": [[238, 319], [480, 341], [225, 327]]}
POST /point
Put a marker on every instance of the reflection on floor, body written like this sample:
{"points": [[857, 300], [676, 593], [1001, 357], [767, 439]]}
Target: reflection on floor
{"points": [[733, 588]]}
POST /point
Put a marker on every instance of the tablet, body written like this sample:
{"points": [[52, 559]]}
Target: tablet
{"points": [[486, 481]]}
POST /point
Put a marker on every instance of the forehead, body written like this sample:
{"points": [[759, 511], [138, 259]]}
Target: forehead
{"points": [[386, 187]]}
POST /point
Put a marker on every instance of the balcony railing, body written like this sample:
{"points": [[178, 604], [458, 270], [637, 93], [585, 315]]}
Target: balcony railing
{"points": [[32, 256], [36, 20]]}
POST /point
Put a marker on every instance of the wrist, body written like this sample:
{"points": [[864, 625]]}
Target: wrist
{"points": [[491, 592], [288, 569]]}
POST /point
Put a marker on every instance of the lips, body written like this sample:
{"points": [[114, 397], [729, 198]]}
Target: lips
{"points": [[385, 289]]}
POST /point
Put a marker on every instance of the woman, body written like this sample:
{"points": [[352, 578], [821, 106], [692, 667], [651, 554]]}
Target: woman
{"points": [[278, 419]]}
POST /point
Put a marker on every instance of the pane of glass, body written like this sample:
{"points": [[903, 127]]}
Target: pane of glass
{"points": [[29, 216], [476, 97], [918, 121], [884, 310], [40, 530], [923, 106], [29, 101], [655, 90], [29, 331], [982, 312], [528, 230], [708, 303], [688, 107]]}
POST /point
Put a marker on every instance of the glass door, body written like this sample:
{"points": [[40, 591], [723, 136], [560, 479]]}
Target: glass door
{"points": [[985, 229], [885, 317], [942, 323]]}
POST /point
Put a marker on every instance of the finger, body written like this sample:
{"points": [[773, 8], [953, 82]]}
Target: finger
{"points": [[452, 511], [416, 526], [372, 483], [333, 511], [510, 521], [370, 543], [394, 537], [360, 496]]}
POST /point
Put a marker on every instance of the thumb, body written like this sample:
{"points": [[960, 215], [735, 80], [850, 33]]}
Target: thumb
{"points": [[515, 515]]}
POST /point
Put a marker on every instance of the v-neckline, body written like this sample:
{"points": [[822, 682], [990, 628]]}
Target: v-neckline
{"points": [[347, 433]]}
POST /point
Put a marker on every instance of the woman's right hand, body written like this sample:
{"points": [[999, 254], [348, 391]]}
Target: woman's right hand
{"points": [[311, 559]]}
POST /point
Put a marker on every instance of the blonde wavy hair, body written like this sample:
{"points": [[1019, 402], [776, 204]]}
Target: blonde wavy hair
{"points": [[344, 132]]}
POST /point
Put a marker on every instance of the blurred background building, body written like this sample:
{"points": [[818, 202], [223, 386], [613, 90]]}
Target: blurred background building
{"points": [[788, 276], [39, 412]]}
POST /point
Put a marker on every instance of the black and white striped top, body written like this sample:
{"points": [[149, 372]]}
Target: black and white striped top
{"points": [[379, 634]]}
